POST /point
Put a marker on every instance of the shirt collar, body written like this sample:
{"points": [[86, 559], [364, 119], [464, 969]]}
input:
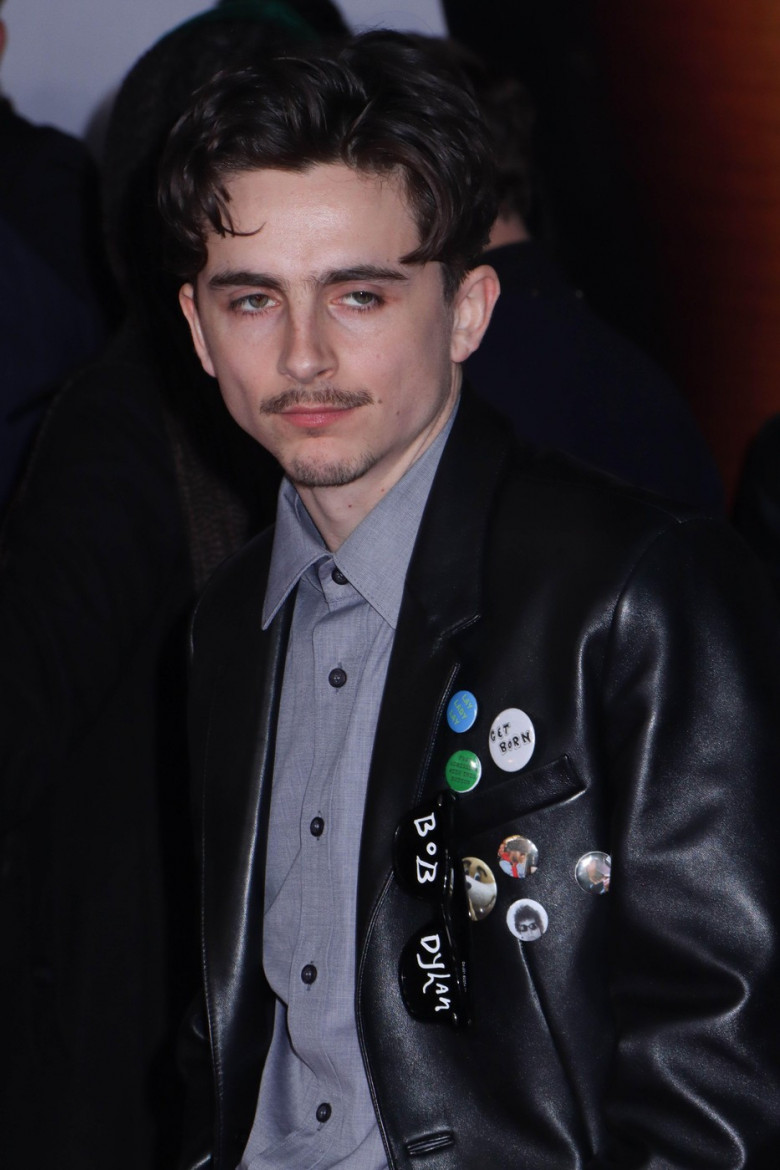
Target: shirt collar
{"points": [[374, 558]]}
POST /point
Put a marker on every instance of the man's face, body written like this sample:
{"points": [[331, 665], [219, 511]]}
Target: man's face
{"points": [[328, 350], [527, 928]]}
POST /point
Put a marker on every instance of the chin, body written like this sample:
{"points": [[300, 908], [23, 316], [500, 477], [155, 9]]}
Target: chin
{"points": [[316, 473]]}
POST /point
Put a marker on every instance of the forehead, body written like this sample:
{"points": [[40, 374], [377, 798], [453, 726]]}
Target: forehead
{"points": [[325, 214]]}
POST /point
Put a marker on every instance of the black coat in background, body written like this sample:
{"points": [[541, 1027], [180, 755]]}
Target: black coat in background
{"points": [[56, 299], [94, 581], [118, 522]]}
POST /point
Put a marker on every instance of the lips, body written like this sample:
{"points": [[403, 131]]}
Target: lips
{"points": [[315, 416]]}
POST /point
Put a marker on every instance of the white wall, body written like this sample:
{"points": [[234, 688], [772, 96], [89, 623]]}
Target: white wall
{"points": [[66, 58], [423, 16]]}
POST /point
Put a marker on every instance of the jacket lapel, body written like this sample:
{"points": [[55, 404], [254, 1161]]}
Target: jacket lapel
{"points": [[234, 710], [443, 596]]}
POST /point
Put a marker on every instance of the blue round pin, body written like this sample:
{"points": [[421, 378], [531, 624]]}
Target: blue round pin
{"points": [[462, 711]]}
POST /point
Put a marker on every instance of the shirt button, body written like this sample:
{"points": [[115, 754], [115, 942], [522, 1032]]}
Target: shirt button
{"points": [[337, 677], [323, 1112], [317, 827], [309, 974], [339, 577]]}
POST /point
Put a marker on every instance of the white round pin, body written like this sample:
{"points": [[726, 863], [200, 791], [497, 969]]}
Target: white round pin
{"points": [[512, 739]]}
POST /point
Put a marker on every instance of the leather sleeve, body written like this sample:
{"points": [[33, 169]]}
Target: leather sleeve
{"points": [[194, 1042], [757, 505], [692, 702]]}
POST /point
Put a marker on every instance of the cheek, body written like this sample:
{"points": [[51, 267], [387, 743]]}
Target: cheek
{"points": [[239, 348], [239, 400], [424, 354], [239, 370], [236, 392]]}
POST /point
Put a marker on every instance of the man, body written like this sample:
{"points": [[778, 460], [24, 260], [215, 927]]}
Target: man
{"points": [[448, 641]]}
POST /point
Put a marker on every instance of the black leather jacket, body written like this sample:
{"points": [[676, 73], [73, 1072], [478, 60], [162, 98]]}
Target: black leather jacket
{"points": [[641, 1029]]}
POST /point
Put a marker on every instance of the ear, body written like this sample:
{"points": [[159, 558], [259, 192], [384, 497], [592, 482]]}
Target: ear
{"points": [[472, 310], [189, 306]]}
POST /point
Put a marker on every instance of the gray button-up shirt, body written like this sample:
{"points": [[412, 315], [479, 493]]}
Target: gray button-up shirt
{"points": [[314, 1109]]}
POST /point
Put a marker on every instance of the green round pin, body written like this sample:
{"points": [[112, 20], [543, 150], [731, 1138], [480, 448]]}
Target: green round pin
{"points": [[463, 771]]}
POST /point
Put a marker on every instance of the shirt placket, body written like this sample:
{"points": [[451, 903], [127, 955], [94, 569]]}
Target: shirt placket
{"points": [[337, 640]]}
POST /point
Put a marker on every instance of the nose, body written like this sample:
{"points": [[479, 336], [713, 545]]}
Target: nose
{"points": [[307, 353]]}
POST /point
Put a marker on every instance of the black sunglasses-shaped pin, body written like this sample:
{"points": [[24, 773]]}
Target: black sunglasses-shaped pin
{"points": [[433, 965]]}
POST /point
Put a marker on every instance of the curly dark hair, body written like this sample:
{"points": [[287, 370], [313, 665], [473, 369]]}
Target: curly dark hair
{"points": [[381, 103], [158, 89]]}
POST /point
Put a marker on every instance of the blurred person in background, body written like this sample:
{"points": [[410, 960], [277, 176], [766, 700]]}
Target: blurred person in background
{"points": [[55, 290], [592, 224], [564, 376]]}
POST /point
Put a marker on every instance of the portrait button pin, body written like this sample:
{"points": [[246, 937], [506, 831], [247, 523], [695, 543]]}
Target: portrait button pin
{"points": [[518, 856], [463, 771], [317, 827], [462, 711], [527, 920], [337, 677], [309, 974], [512, 739], [323, 1112]]}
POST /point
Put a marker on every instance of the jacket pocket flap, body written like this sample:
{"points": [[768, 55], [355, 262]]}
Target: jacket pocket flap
{"points": [[522, 793]]}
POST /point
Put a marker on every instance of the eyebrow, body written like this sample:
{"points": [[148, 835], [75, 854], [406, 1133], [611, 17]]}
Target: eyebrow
{"points": [[242, 277]]}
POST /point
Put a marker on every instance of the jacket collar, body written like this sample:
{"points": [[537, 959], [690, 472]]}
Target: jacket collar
{"points": [[445, 573]]}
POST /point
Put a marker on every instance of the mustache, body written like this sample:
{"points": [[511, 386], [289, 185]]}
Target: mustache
{"points": [[322, 396]]}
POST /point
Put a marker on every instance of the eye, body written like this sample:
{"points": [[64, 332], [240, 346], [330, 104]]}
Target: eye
{"points": [[252, 303], [361, 299]]}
